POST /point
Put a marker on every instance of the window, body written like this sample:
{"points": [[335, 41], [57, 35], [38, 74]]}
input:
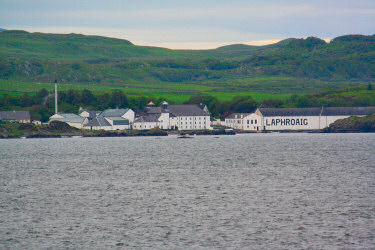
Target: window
{"points": [[247, 122], [251, 121], [255, 121]]}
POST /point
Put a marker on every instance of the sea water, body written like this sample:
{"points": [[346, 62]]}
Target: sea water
{"points": [[254, 191]]}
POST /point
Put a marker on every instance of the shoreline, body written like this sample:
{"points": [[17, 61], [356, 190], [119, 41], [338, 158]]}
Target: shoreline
{"points": [[118, 135]]}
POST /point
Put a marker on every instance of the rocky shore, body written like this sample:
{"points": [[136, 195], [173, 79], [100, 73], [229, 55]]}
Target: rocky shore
{"points": [[353, 124], [58, 129]]}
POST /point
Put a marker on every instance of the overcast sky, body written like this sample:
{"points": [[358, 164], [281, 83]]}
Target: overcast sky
{"points": [[192, 24]]}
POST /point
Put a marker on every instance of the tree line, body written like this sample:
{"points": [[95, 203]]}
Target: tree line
{"points": [[41, 104]]}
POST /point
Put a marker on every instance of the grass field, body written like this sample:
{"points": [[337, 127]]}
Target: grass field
{"points": [[176, 92]]}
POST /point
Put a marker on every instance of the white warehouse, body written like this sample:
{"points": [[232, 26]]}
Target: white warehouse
{"points": [[181, 117], [276, 119]]}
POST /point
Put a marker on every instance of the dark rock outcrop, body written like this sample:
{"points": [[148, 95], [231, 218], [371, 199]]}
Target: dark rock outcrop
{"points": [[352, 125]]}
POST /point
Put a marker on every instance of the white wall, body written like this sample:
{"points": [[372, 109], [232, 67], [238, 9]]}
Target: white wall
{"points": [[107, 128], [193, 122], [291, 122], [145, 125], [75, 125], [252, 122], [129, 115], [84, 114], [236, 123], [164, 122]]}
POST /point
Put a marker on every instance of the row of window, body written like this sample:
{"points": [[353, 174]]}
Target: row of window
{"points": [[255, 121], [241, 121], [190, 118]]}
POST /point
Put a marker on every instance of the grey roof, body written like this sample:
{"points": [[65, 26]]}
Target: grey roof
{"points": [[344, 111], [14, 115], [68, 117], [149, 118], [93, 113], [98, 121], [290, 111], [114, 112], [233, 116], [186, 110], [154, 110], [117, 118]]}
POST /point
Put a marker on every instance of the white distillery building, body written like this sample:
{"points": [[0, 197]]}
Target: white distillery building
{"points": [[181, 117], [109, 119], [276, 119], [147, 122], [236, 120]]}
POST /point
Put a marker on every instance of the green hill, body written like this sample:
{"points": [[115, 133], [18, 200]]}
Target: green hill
{"points": [[73, 47], [290, 66]]}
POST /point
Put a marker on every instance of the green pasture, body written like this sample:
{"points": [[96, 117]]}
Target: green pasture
{"points": [[176, 92]]}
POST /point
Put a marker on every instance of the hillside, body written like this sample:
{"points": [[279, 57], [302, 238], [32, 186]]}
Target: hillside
{"points": [[289, 66]]}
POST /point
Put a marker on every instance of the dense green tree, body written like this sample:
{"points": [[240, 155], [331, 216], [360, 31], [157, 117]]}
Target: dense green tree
{"points": [[118, 100], [87, 98]]}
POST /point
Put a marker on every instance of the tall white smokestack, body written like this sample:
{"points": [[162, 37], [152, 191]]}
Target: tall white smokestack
{"points": [[56, 110]]}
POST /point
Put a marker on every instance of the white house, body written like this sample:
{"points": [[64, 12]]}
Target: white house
{"points": [[252, 122], [72, 120], [236, 120]]}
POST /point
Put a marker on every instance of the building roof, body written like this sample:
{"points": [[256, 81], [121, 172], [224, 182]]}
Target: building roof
{"points": [[290, 111], [14, 115], [117, 118], [98, 121], [92, 113], [344, 111], [114, 112], [154, 110], [233, 116], [186, 110], [67, 117], [178, 110], [149, 118], [329, 111]]}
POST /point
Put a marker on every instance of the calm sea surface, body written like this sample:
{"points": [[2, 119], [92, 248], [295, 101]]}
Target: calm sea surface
{"points": [[260, 191]]}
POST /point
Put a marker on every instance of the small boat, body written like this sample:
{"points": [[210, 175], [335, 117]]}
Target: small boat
{"points": [[185, 136]]}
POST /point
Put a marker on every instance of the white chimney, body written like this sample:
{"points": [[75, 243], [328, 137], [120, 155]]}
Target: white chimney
{"points": [[56, 110]]}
